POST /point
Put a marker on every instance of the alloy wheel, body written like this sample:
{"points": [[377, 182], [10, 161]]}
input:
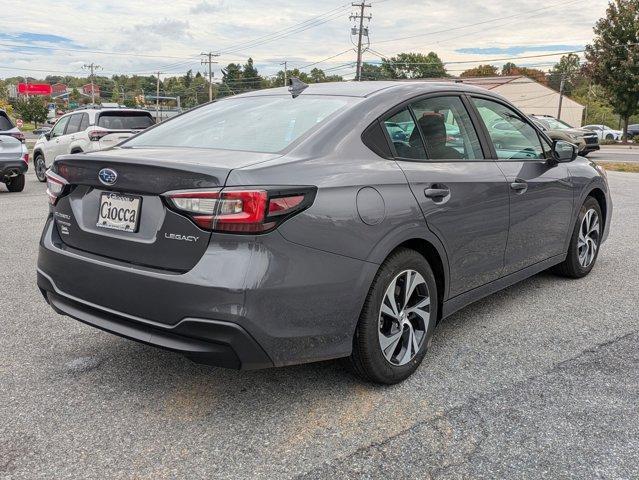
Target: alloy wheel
{"points": [[404, 317], [588, 240], [40, 168]]}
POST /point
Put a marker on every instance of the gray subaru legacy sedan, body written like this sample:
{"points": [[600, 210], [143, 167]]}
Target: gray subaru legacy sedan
{"points": [[337, 220]]}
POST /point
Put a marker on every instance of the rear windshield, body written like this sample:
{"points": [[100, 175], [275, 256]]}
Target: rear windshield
{"points": [[125, 120], [259, 124], [5, 123]]}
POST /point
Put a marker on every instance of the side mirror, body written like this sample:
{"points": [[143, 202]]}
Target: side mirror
{"points": [[47, 136], [563, 151]]}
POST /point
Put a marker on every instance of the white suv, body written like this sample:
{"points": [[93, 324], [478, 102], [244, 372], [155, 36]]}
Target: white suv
{"points": [[87, 130]]}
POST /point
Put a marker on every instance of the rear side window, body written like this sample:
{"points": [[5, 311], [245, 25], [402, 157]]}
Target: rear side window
{"points": [[74, 124], [125, 120], [5, 123], [266, 124], [84, 124], [447, 129], [405, 137]]}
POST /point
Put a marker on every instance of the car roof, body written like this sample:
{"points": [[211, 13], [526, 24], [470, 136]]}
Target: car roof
{"points": [[368, 88]]}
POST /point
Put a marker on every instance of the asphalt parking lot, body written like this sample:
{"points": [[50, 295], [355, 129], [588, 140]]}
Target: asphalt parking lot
{"points": [[538, 381], [616, 154]]}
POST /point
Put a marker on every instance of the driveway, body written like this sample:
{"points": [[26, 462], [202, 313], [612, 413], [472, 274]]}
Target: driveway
{"points": [[538, 381]]}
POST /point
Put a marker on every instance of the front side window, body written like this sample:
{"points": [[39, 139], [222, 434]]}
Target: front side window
{"points": [[405, 137], [265, 124], [447, 129], [512, 137], [58, 128]]}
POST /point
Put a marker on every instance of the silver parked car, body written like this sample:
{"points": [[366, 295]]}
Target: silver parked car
{"points": [[338, 220], [14, 155]]}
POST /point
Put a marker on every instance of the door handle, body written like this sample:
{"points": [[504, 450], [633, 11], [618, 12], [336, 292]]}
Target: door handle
{"points": [[519, 186], [437, 191]]}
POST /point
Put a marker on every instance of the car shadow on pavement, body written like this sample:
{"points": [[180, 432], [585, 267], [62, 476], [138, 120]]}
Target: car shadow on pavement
{"points": [[141, 370]]}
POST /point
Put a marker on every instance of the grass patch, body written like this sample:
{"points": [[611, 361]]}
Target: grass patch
{"points": [[621, 166]]}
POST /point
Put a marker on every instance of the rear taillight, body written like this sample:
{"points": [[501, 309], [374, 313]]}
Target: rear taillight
{"points": [[18, 135], [96, 135], [56, 186], [235, 210], [25, 158]]}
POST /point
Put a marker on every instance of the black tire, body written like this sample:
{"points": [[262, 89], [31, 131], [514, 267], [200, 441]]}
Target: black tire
{"points": [[571, 266], [40, 167], [15, 184], [368, 360], [610, 136]]}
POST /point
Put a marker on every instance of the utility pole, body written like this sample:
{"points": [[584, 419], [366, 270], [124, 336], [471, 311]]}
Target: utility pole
{"points": [[285, 72], [157, 99], [561, 95], [209, 61], [360, 33], [92, 66]]}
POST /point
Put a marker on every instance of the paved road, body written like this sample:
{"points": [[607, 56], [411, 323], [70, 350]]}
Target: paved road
{"points": [[616, 154], [538, 381]]}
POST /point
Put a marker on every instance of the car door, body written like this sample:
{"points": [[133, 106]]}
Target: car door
{"points": [[52, 147], [541, 193], [70, 134], [463, 196]]}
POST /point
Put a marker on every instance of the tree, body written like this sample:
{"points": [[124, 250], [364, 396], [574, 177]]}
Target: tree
{"points": [[613, 57], [370, 71], [481, 71], [567, 69], [414, 65], [32, 109], [251, 79], [510, 69]]}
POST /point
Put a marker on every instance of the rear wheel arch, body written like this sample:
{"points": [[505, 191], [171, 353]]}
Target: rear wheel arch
{"points": [[436, 262], [76, 150]]}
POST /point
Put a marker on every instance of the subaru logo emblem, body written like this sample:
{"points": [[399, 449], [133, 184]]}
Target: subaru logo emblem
{"points": [[107, 176]]}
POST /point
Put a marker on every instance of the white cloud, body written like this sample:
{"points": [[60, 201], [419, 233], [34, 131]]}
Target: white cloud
{"points": [[183, 29], [208, 7]]}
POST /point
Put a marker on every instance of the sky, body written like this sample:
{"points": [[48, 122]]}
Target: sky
{"points": [[140, 37]]}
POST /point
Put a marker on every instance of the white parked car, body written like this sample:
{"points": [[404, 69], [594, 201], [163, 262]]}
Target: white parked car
{"points": [[87, 130], [604, 132]]}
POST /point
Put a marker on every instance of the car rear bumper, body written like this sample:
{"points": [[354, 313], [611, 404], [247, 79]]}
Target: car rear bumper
{"points": [[12, 167], [249, 304], [209, 342]]}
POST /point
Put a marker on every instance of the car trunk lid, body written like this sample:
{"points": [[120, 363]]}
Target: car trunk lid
{"points": [[158, 237]]}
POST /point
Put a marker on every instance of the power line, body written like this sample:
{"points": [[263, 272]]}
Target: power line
{"points": [[475, 24], [295, 28]]}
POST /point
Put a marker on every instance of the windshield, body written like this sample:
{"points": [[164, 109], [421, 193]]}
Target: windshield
{"points": [[5, 123], [260, 124], [555, 124], [125, 120]]}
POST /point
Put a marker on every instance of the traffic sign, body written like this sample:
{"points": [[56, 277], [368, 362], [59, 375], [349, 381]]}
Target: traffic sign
{"points": [[19, 123]]}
